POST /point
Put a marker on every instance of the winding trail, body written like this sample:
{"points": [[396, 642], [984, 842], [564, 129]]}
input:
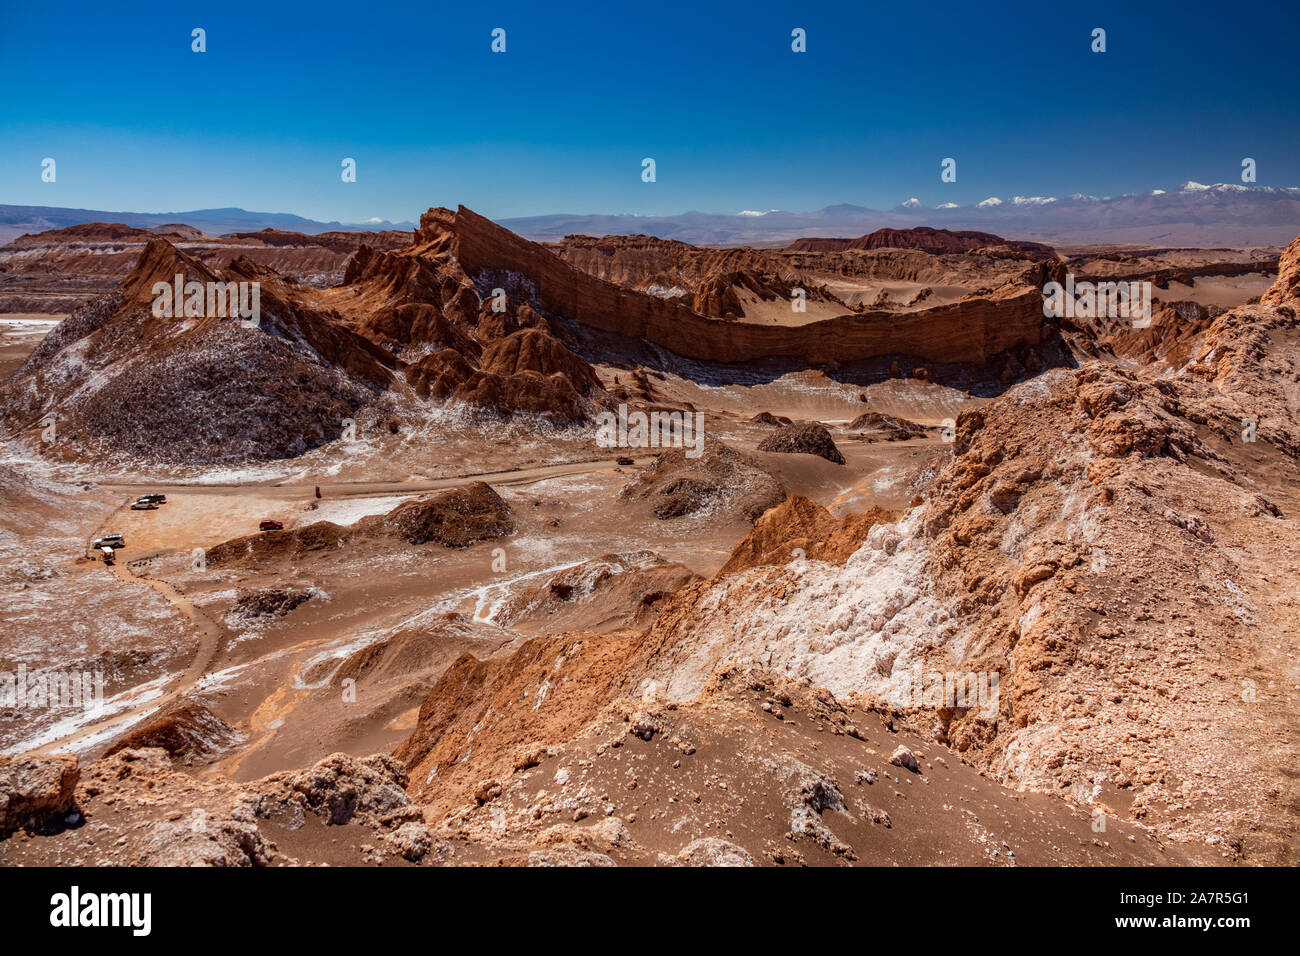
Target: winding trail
{"points": [[210, 637]]}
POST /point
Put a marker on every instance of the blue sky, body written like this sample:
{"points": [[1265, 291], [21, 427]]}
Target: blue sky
{"points": [[562, 120]]}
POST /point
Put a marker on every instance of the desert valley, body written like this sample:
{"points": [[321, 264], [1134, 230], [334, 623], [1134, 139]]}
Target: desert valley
{"points": [[360, 577]]}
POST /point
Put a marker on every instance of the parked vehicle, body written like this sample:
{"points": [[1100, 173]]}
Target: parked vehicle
{"points": [[144, 506], [155, 499], [269, 525], [110, 541], [624, 460]]}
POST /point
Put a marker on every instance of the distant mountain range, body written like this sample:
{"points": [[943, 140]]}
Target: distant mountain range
{"points": [[1191, 215], [1224, 214], [16, 220]]}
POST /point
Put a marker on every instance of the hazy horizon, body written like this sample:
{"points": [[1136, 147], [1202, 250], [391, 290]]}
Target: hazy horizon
{"points": [[413, 217]]}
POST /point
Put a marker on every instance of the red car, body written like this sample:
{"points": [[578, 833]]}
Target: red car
{"points": [[271, 526]]}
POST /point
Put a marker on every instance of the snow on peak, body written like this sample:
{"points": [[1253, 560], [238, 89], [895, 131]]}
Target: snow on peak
{"points": [[1033, 200], [946, 205], [1194, 187], [991, 201], [750, 212], [912, 203]]}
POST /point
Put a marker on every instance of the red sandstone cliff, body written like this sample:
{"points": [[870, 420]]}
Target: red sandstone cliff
{"points": [[972, 330]]}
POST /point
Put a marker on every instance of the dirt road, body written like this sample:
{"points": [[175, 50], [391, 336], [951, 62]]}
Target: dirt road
{"points": [[519, 476]]}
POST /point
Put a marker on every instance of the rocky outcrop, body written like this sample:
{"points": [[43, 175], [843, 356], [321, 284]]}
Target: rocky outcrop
{"points": [[268, 603], [878, 427], [36, 792], [284, 546], [455, 519], [532, 350], [550, 397], [530, 371], [803, 438], [721, 481], [439, 375], [1286, 288], [189, 732], [799, 529], [341, 788]]}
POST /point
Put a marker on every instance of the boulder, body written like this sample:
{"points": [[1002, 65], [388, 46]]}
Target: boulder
{"points": [[36, 792]]}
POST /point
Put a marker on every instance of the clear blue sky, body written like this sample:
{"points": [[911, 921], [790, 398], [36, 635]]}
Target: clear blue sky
{"points": [[561, 121]]}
